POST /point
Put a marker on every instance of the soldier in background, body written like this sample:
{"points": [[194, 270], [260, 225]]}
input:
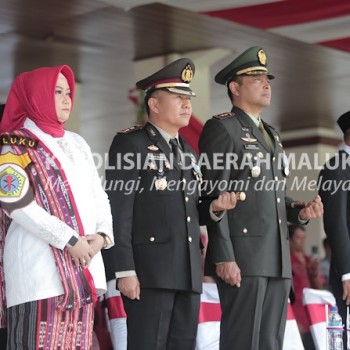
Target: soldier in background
{"points": [[334, 186]]}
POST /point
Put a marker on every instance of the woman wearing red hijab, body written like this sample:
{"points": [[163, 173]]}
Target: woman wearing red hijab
{"points": [[55, 215]]}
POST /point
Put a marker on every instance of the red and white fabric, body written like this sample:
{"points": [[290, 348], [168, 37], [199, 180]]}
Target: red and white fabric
{"points": [[116, 317], [209, 319], [315, 301], [292, 338]]}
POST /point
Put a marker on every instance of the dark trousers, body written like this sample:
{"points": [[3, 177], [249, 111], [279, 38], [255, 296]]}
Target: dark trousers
{"points": [[308, 342], [3, 338], [162, 320], [254, 315]]}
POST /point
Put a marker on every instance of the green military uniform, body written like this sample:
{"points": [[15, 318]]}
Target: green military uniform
{"points": [[254, 234]]}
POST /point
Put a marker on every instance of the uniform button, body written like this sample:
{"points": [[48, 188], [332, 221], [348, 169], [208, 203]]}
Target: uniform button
{"points": [[152, 239], [188, 219], [280, 221], [184, 180], [190, 239], [245, 230], [186, 199], [273, 158], [276, 178], [278, 200]]}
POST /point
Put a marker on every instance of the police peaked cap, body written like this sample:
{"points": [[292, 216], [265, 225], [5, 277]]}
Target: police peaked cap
{"points": [[175, 78]]}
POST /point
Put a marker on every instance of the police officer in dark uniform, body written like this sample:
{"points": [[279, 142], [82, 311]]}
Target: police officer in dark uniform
{"points": [[249, 249], [334, 190], [157, 255]]}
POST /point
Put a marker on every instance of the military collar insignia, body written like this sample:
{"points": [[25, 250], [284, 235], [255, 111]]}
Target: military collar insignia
{"points": [[151, 130]]}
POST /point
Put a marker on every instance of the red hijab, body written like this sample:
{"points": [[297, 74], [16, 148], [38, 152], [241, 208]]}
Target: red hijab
{"points": [[32, 95]]}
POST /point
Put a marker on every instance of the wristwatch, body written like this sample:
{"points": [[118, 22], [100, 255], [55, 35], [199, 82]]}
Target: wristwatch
{"points": [[107, 240], [73, 241]]}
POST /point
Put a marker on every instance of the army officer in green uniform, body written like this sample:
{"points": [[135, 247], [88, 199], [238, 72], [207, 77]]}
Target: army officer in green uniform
{"points": [[249, 248]]}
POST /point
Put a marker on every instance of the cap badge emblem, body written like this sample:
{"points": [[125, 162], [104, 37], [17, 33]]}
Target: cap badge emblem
{"points": [[262, 57], [187, 74]]}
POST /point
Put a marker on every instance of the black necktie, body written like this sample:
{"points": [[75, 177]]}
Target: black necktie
{"points": [[175, 148]]}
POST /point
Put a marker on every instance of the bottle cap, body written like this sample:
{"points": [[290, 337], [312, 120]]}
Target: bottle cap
{"points": [[334, 308]]}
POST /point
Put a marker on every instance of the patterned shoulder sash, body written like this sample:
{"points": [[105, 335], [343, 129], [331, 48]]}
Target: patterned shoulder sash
{"points": [[53, 193]]}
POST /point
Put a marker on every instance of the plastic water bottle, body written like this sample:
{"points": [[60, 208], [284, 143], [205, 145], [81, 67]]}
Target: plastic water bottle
{"points": [[335, 330]]}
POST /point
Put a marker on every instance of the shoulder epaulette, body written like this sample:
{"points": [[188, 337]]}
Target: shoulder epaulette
{"points": [[226, 115], [131, 129]]}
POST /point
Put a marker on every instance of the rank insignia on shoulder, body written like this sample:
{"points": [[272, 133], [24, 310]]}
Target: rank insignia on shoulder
{"points": [[131, 129], [226, 115]]}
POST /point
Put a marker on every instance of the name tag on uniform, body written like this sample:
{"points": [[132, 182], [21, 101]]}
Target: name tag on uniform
{"points": [[159, 156], [251, 146]]}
